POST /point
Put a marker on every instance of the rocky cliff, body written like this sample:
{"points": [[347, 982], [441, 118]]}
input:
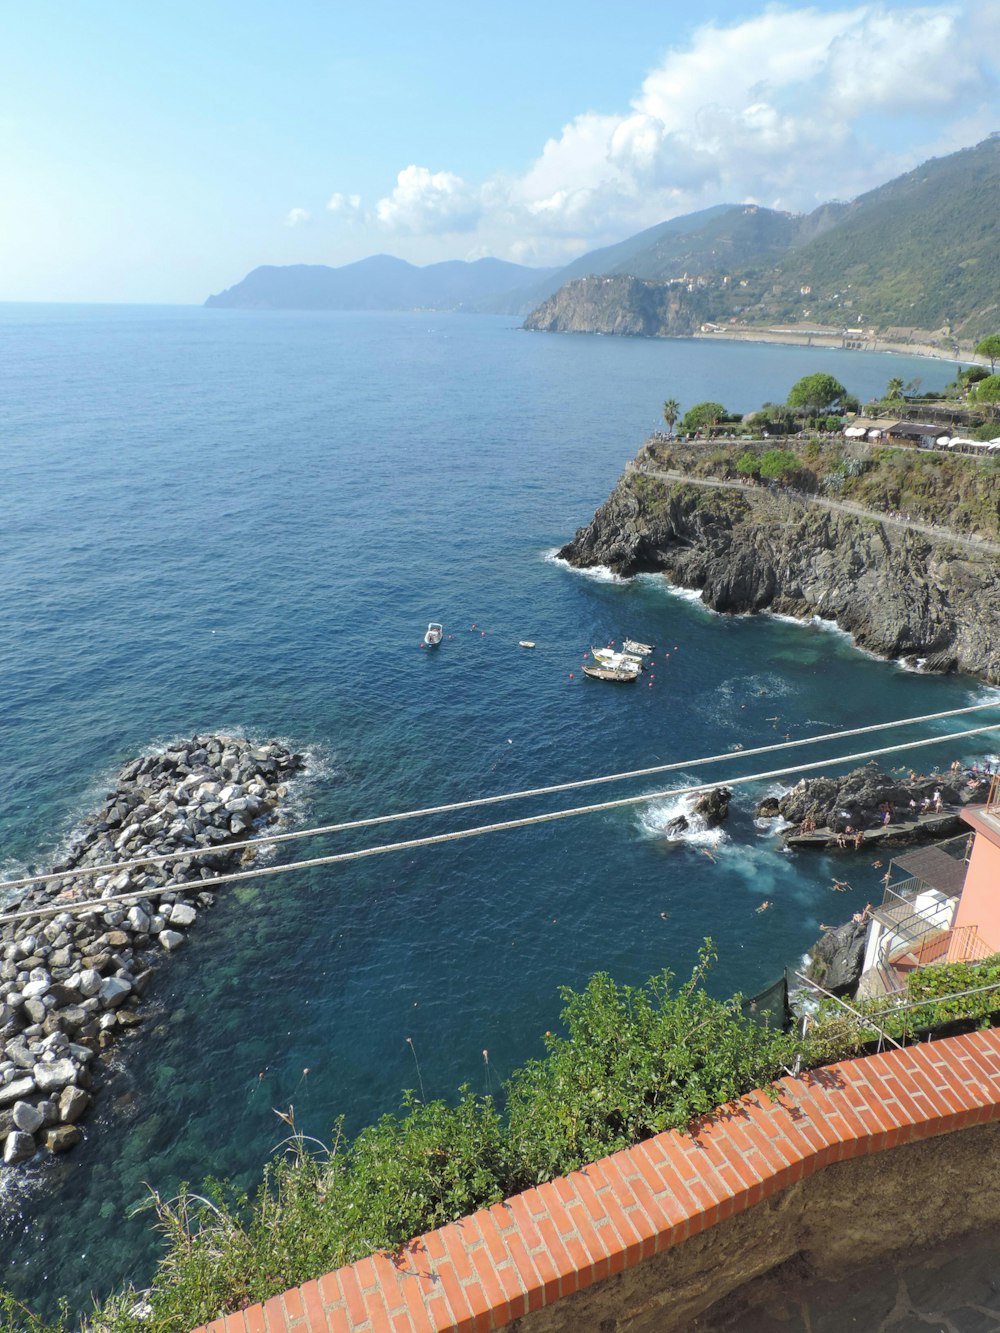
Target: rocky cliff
{"points": [[620, 305], [897, 592]]}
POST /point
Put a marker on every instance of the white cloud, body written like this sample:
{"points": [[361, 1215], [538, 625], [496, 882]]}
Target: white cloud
{"points": [[425, 201], [787, 108], [346, 206], [295, 217]]}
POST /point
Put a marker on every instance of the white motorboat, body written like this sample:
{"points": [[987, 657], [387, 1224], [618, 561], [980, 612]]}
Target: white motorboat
{"points": [[640, 649], [434, 635], [608, 657]]}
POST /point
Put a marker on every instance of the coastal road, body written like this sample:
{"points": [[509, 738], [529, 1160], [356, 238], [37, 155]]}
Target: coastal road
{"points": [[971, 542]]}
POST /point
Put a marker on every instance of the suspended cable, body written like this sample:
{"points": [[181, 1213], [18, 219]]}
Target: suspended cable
{"points": [[269, 840], [338, 858]]}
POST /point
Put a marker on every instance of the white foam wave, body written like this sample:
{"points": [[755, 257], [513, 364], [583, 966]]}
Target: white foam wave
{"points": [[693, 595], [599, 573], [655, 820]]}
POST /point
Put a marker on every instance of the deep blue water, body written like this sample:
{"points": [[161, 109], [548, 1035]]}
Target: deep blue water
{"points": [[216, 519]]}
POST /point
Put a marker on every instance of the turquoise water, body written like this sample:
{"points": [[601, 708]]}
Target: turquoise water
{"points": [[217, 519]]}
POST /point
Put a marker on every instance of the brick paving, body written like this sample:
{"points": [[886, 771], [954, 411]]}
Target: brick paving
{"points": [[482, 1272]]}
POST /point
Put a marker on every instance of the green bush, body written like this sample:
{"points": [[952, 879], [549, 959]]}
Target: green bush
{"points": [[633, 1061]]}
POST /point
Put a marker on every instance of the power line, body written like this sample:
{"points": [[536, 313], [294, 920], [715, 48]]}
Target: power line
{"points": [[479, 801], [338, 858]]}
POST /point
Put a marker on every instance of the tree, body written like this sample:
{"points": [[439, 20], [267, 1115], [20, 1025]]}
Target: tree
{"points": [[894, 389], [778, 464], [817, 393], [775, 418], [671, 411], [987, 391], [702, 415], [972, 376], [990, 346]]}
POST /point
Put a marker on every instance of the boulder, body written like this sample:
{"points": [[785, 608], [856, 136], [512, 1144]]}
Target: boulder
{"points": [[18, 1148], [713, 806], [170, 939], [55, 1075], [16, 1091], [181, 914], [138, 920], [114, 991], [90, 981], [62, 1138], [28, 1118], [72, 1104]]}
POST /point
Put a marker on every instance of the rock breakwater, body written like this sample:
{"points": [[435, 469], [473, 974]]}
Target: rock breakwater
{"points": [[75, 963]]}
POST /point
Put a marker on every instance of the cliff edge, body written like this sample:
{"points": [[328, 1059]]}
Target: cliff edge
{"points": [[899, 593]]}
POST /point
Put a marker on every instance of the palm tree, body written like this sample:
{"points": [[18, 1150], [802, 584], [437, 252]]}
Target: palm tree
{"points": [[671, 411], [894, 389]]}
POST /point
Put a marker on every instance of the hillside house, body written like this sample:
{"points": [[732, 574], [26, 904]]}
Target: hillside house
{"points": [[941, 905]]}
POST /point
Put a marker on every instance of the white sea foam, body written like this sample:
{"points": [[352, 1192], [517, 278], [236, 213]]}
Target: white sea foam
{"points": [[654, 821], [599, 573], [693, 595]]}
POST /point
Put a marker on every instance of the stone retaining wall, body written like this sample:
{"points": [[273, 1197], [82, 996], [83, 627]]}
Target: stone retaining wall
{"points": [[649, 1238]]}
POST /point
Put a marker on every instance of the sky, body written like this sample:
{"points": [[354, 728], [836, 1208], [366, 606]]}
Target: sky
{"points": [[157, 153]]}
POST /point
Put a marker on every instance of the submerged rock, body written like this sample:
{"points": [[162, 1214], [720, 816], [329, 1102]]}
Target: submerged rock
{"points": [[18, 1148]]}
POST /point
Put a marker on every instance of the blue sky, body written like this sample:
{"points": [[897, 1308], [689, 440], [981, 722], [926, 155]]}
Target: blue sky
{"points": [[157, 153]]}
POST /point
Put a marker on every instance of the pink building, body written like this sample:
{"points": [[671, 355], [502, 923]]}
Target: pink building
{"points": [[945, 909]]}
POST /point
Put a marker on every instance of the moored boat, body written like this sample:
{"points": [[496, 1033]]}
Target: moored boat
{"points": [[608, 657], [610, 673], [633, 646], [434, 635]]}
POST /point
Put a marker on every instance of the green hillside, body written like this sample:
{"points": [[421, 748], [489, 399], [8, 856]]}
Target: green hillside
{"points": [[921, 252]]}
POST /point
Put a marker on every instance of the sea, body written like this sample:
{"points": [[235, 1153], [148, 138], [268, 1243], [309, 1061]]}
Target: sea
{"points": [[216, 520]]}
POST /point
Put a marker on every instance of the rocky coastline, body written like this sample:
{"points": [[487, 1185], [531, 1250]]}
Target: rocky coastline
{"points": [[868, 806], [900, 594], [73, 976]]}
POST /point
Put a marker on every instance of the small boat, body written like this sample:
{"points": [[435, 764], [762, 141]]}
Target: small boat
{"points": [[610, 673], [609, 658], [525, 643], [434, 635], [633, 646]]}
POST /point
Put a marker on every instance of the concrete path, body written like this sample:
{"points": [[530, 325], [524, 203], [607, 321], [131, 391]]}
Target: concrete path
{"points": [[971, 542]]}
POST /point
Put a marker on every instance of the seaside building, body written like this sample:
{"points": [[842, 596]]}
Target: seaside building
{"points": [[941, 905]]}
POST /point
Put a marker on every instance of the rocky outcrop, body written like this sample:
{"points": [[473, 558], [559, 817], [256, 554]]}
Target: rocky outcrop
{"points": [[836, 959], [857, 800], [78, 952], [709, 810], [620, 305], [899, 593]]}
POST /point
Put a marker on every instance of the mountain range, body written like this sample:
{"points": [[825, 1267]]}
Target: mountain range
{"points": [[920, 252], [380, 282]]}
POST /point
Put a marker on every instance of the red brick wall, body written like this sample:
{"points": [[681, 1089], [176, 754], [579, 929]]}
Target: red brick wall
{"points": [[484, 1271]]}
